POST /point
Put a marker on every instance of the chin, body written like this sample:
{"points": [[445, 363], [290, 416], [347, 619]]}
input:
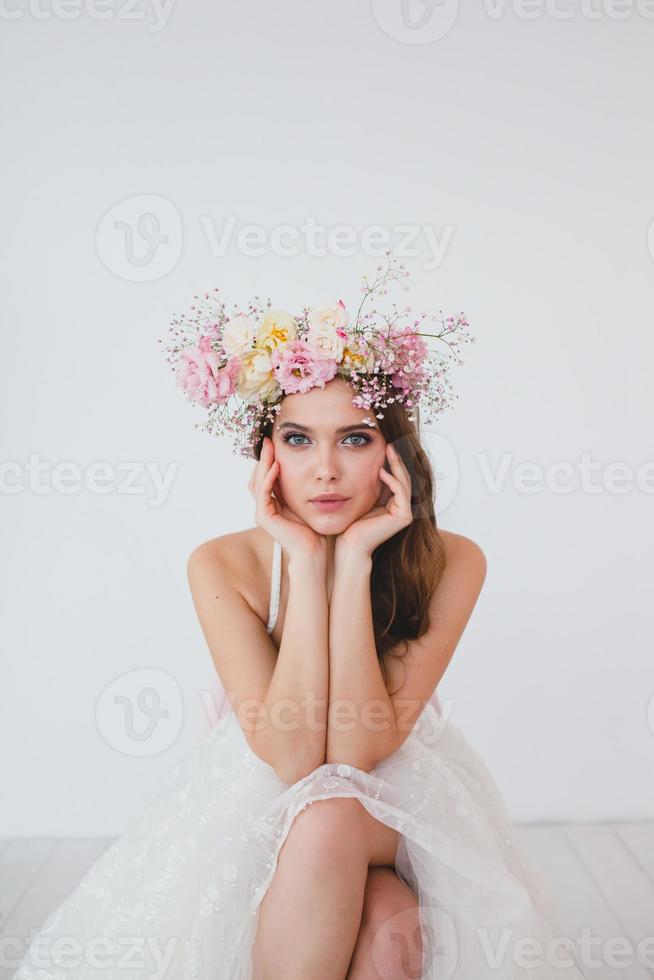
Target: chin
{"points": [[329, 523]]}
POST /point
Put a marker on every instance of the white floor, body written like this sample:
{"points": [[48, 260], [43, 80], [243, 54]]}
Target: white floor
{"points": [[602, 876]]}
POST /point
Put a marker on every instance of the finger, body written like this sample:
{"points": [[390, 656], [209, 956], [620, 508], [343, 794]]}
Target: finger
{"points": [[263, 463], [399, 491], [397, 463], [399, 482], [263, 495], [270, 477], [393, 480]]}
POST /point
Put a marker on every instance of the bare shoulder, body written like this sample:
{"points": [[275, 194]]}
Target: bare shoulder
{"points": [[459, 543], [464, 555], [238, 558], [458, 588]]}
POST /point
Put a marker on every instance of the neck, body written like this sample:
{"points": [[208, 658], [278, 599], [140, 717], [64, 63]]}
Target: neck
{"points": [[331, 570], [331, 548]]}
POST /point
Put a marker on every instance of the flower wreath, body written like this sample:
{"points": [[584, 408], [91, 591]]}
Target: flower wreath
{"points": [[238, 366]]}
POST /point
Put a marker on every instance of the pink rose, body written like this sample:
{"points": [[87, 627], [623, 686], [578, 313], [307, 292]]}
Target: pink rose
{"points": [[201, 377], [298, 367]]}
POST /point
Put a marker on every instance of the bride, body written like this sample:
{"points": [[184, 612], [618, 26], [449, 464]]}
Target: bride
{"points": [[335, 886], [335, 824]]}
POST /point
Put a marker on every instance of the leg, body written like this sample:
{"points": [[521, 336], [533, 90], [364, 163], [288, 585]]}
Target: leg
{"points": [[389, 945], [310, 916]]}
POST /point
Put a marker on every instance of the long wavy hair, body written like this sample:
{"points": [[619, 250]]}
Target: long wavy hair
{"points": [[407, 567]]}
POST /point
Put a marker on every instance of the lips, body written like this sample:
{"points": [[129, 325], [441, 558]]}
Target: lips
{"points": [[329, 503], [326, 497]]}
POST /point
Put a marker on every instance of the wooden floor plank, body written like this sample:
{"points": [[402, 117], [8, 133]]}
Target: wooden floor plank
{"points": [[638, 837], [624, 885], [582, 907], [20, 862], [65, 867]]}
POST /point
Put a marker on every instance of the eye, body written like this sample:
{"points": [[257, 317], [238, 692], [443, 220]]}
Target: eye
{"points": [[360, 435], [291, 435], [356, 435]]}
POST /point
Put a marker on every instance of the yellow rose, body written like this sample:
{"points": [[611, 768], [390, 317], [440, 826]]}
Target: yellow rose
{"points": [[361, 363], [275, 328]]}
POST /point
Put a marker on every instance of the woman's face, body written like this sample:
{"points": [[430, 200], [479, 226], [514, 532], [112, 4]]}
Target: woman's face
{"points": [[315, 458]]}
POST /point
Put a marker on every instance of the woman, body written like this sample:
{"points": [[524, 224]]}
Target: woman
{"points": [[334, 824], [337, 856]]}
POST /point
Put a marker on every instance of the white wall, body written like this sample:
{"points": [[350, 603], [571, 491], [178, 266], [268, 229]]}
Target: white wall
{"points": [[525, 146]]}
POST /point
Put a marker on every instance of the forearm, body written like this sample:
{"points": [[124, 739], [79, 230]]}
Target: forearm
{"points": [[295, 705], [360, 710]]}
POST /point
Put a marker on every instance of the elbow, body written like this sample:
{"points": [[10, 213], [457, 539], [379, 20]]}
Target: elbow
{"points": [[290, 772], [290, 766], [354, 759]]}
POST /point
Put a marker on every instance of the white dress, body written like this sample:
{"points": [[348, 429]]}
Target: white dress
{"points": [[176, 896]]}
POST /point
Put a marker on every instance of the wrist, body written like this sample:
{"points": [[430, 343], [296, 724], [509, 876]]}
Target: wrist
{"points": [[306, 563], [347, 553]]}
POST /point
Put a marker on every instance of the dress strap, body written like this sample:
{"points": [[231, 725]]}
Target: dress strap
{"points": [[275, 585]]}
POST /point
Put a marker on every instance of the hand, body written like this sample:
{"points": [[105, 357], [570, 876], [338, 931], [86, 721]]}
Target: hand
{"points": [[272, 512], [387, 517]]}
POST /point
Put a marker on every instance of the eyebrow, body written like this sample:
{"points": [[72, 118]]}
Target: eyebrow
{"points": [[343, 428]]}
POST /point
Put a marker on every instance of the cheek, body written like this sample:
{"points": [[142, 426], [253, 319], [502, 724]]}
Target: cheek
{"points": [[288, 477], [368, 475]]}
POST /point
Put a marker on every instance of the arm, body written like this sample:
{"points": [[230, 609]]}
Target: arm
{"points": [[355, 673], [268, 689], [355, 677], [296, 697]]}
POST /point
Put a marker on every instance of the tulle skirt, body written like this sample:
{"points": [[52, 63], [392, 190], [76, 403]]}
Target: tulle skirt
{"points": [[177, 895]]}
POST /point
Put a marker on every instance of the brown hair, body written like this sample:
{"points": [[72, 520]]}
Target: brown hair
{"points": [[407, 567]]}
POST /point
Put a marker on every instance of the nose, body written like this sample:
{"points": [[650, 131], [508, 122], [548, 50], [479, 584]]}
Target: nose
{"points": [[326, 468]]}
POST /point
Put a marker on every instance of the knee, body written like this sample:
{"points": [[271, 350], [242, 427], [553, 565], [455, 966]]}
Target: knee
{"points": [[391, 919], [329, 827]]}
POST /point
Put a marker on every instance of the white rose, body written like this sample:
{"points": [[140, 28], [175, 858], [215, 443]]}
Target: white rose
{"points": [[333, 315], [238, 335], [327, 324], [325, 339], [256, 378]]}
